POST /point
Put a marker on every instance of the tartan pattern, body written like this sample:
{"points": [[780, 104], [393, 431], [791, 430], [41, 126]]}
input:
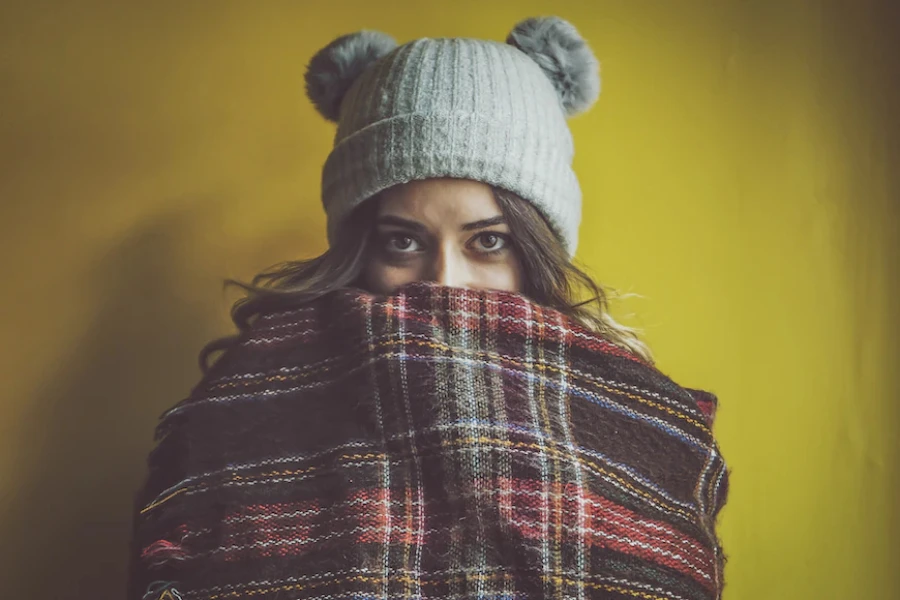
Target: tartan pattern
{"points": [[440, 443]]}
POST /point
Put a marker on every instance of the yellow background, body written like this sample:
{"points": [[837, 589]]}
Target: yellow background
{"points": [[738, 173]]}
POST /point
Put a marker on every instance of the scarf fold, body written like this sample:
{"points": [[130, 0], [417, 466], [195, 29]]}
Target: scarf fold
{"points": [[439, 443]]}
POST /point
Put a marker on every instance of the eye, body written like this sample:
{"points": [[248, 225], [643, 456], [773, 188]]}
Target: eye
{"points": [[400, 242], [492, 241]]}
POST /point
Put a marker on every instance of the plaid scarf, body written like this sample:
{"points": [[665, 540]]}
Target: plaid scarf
{"points": [[440, 443]]}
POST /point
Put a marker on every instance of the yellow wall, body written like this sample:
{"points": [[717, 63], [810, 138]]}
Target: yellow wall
{"points": [[737, 173]]}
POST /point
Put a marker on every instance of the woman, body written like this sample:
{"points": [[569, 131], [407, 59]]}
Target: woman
{"points": [[468, 156], [425, 409]]}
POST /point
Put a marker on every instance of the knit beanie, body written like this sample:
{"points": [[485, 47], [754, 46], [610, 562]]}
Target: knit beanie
{"points": [[460, 108]]}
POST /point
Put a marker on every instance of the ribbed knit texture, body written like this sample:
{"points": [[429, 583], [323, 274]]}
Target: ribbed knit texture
{"points": [[455, 107], [439, 444]]}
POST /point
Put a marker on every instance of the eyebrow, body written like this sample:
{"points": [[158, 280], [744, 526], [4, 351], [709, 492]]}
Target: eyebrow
{"points": [[498, 220], [401, 222], [415, 226]]}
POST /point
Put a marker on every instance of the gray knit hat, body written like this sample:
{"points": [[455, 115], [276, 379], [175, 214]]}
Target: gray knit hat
{"points": [[456, 107]]}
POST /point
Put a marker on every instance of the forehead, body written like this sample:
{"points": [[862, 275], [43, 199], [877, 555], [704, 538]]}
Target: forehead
{"points": [[440, 199]]}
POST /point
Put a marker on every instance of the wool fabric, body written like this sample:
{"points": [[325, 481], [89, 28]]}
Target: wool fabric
{"points": [[439, 443], [460, 108]]}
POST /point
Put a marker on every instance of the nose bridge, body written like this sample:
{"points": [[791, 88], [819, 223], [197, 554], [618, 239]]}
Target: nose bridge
{"points": [[448, 268]]}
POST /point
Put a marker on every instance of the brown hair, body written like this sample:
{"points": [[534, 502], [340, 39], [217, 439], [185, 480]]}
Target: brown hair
{"points": [[550, 278]]}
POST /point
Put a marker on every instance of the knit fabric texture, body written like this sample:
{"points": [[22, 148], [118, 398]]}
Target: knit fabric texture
{"points": [[439, 443], [460, 108]]}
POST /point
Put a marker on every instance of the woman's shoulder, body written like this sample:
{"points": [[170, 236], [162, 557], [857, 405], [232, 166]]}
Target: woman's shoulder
{"points": [[707, 402]]}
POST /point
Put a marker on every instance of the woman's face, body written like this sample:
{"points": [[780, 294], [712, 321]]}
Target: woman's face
{"points": [[449, 231]]}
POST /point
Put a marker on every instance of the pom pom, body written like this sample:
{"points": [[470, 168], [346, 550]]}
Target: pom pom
{"points": [[335, 67], [558, 48]]}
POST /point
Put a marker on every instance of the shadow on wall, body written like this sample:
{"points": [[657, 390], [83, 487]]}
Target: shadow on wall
{"points": [[92, 422]]}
